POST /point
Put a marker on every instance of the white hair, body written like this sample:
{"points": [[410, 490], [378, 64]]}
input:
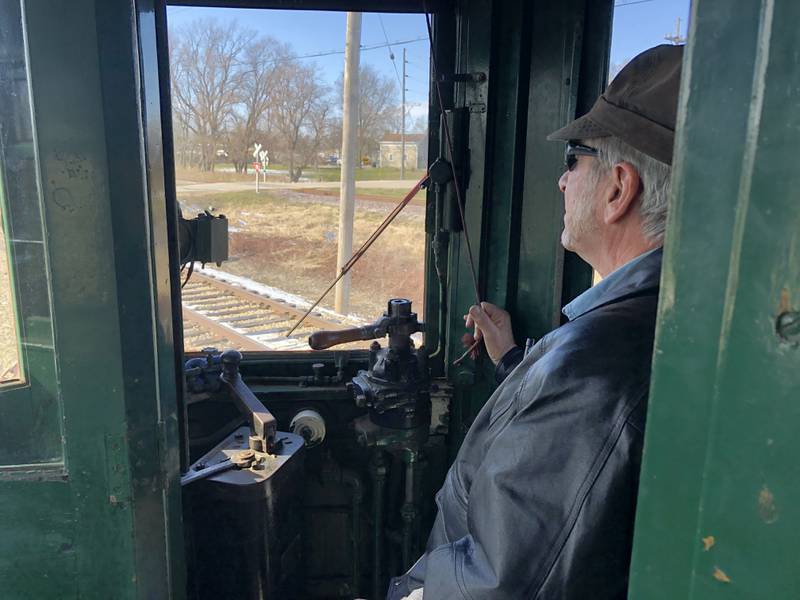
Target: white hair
{"points": [[655, 176]]}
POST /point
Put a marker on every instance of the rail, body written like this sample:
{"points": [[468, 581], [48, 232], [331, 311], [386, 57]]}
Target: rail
{"points": [[219, 313]]}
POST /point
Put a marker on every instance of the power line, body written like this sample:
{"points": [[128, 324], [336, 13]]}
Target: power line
{"points": [[621, 4], [391, 52], [363, 48]]}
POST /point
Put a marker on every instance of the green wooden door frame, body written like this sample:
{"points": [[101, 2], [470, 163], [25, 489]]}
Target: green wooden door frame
{"points": [[105, 520], [718, 515]]}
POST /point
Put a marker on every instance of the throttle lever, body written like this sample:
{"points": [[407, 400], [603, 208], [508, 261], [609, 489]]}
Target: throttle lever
{"points": [[321, 340]]}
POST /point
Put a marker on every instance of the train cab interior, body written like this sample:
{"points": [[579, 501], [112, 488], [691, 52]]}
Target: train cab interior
{"points": [[163, 434]]}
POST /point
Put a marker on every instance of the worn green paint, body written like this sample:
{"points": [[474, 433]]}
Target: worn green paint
{"points": [[471, 54], [594, 38], [541, 70], [507, 106], [563, 70], [139, 223], [162, 214], [98, 526], [721, 447], [437, 234]]}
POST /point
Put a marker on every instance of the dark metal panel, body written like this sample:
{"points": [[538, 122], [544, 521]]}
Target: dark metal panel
{"points": [[556, 37], [135, 291], [717, 516], [594, 64], [508, 103], [473, 47], [437, 234], [160, 421], [144, 309], [169, 331], [504, 140], [536, 62], [171, 207]]}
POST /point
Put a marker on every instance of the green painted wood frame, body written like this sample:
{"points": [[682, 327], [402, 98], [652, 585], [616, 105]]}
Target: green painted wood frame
{"points": [[718, 515], [100, 517]]}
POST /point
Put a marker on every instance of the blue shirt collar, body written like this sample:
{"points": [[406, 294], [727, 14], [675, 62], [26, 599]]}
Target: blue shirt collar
{"points": [[636, 275]]}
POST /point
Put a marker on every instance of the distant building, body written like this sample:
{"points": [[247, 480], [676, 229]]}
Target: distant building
{"points": [[416, 150]]}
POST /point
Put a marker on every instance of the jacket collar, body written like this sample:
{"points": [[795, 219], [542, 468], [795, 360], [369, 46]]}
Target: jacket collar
{"points": [[634, 278]]}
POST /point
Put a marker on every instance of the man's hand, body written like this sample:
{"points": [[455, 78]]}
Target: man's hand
{"points": [[493, 325]]}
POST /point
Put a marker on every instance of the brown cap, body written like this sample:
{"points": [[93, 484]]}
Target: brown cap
{"points": [[639, 106]]}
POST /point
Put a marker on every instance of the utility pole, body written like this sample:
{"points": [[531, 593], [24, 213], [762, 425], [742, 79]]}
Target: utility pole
{"points": [[403, 121], [347, 189]]}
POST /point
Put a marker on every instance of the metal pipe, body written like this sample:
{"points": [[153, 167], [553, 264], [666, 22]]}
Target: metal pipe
{"points": [[357, 494], [378, 482], [421, 468], [409, 511]]}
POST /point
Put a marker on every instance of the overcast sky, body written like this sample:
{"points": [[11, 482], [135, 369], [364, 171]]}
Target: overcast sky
{"points": [[638, 24]]}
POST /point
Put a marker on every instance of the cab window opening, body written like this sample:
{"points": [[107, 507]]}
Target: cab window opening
{"points": [[257, 107]]}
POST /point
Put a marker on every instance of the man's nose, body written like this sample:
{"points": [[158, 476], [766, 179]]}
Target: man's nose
{"points": [[562, 181]]}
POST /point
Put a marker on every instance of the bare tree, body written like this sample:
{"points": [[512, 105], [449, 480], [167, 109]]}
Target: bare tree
{"points": [[378, 108], [319, 131], [419, 124], [300, 96], [261, 70], [206, 79]]}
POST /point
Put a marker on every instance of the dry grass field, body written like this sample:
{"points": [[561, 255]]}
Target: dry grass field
{"points": [[288, 240]]}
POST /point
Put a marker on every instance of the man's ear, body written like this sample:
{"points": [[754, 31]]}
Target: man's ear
{"points": [[625, 188]]}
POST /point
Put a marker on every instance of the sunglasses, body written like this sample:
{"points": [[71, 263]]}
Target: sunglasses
{"points": [[573, 150]]}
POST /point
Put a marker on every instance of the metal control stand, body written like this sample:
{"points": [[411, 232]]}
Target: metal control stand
{"points": [[222, 377]]}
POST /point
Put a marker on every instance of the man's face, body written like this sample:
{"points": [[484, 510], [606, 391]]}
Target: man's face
{"points": [[581, 187]]}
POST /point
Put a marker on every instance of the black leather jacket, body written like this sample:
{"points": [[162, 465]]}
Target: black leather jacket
{"points": [[540, 501]]}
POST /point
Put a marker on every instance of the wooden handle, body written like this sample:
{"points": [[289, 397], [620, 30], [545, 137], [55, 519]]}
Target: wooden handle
{"points": [[320, 340]]}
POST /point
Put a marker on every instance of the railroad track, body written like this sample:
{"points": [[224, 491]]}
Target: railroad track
{"points": [[220, 314]]}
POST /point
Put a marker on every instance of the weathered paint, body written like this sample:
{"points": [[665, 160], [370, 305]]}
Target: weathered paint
{"points": [[721, 443], [98, 526]]}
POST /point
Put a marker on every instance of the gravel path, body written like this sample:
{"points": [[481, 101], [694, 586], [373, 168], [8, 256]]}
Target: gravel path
{"points": [[379, 207], [193, 187]]}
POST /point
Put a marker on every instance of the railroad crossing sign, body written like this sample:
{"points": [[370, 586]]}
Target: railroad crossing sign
{"points": [[260, 163]]}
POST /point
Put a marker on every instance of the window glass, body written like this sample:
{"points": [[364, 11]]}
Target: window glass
{"points": [[31, 428], [257, 104]]}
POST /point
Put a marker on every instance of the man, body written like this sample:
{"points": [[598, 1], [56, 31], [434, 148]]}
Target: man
{"points": [[540, 502]]}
